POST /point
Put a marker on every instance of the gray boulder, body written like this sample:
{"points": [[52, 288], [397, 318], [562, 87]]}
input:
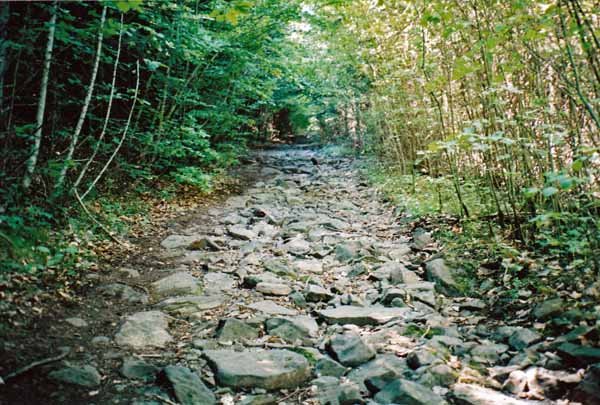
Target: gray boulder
{"points": [[523, 337], [326, 366], [292, 329], [176, 241], [579, 355], [235, 330], [84, 376], [385, 367], [548, 308], [181, 283], [268, 369], [315, 293], [187, 386], [270, 308], [123, 292], [273, 288], [350, 350], [362, 316], [240, 232], [408, 393], [190, 304], [144, 329], [138, 370], [445, 278]]}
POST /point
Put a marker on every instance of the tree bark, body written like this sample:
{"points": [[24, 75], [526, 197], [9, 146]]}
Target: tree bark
{"points": [[4, 14], [32, 161], [86, 104], [108, 110], [135, 98]]}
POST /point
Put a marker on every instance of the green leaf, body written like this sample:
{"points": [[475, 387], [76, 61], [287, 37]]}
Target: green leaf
{"points": [[43, 249], [152, 64], [530, 192], [577, 165], [565, 182], [232, 15], [549, 191], [126, 5]]}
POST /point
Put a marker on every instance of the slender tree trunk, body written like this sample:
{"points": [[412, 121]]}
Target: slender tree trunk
{"points": [[135, 98], [4, 14], [108, 110], [37, 137], [86, 104]]}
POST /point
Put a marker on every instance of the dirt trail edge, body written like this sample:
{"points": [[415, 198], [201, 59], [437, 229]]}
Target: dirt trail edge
{"points": [[303, 289]]}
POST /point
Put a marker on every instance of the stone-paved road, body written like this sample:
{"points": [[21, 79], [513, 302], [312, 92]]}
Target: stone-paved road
{"points": [[306, 289]]}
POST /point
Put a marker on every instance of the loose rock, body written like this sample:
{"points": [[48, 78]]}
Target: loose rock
{"points": [[144, 329], [350, 350], [315, 293], [187, 386], [444, 277], [181, 283], [85, 376], [273, 369], [362, 316], [409, 393]]}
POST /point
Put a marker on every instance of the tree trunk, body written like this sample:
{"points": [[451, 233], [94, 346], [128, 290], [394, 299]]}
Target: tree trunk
{"points": [[108, 110], [86, 104], [3, 45], [37, 137], [135, 98]]}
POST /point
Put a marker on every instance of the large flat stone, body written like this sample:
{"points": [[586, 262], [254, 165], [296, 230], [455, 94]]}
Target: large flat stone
{"points": [[187, 386], [85, 376], [123, 292], [177, 241], [362, 316], [444, 277], [181, 283], [144, 329], [386, 367], [240, 232], [271, 308], [280, 289], [581, 355], [269, 369], [190, 304], [408, 393], [235, 330], [350, 350], [471, 394], [292, 328], [216, 283]]}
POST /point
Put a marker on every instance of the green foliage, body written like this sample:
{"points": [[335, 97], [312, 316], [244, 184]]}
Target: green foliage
{"points": [[27, 244], [193, 176], [214, 77], [126, 5], [469, 97]]}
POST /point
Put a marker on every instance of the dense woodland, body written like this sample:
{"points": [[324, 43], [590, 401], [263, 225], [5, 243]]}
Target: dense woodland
{"points": [[113, 97], [487, 111], [479, 120]]}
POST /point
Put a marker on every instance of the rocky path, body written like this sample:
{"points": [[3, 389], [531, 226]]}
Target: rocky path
{"points": [[305, 289]]}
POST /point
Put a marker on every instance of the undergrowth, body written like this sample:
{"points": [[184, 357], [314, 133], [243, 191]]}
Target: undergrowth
{"points": [[557, 254], [50, 249]]}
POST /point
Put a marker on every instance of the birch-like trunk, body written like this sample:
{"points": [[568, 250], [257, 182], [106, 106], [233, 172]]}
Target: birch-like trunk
{"points": [[86, 104], [108, 110], [135, 99], [37, 137], [4, 13]]}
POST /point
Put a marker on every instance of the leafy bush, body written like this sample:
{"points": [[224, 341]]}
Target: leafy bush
{"points": [[193, 176]]}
